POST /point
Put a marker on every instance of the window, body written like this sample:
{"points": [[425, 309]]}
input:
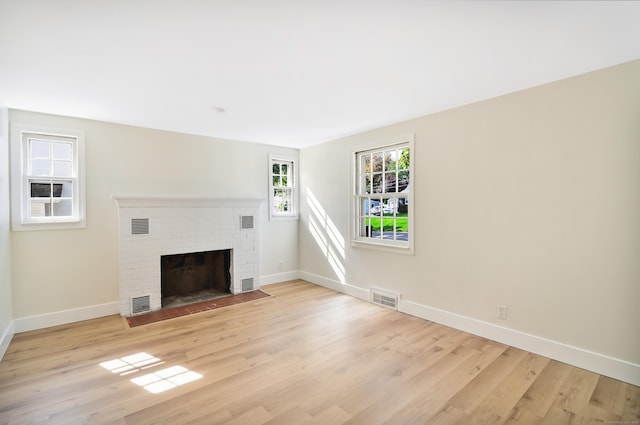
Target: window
{"points": [[383, 213], [283, 200], [47, 179]]}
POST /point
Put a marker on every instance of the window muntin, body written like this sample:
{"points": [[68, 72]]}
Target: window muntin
{"points": [[383, 196], [47, 179], [282, 188]]}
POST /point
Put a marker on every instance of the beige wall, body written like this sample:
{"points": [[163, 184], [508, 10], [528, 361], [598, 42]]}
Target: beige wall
{"points": [[6, 305], [531, 200], [68, 269]]}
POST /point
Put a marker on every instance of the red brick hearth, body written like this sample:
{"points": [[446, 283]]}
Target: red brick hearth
{"points": [[170, 313]]}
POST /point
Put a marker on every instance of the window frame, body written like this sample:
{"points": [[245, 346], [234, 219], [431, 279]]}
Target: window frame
{"points": [[382, 244], [21, 220], [293, 180]]}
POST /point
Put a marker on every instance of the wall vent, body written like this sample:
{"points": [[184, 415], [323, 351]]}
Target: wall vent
{"points": [[140, 304], [384, 298], [247, 284], [139, 226], [246, 222]]}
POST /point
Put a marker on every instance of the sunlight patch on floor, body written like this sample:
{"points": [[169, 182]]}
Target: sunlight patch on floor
{"points": [[155, 382], [130, 364], [166, 379]]}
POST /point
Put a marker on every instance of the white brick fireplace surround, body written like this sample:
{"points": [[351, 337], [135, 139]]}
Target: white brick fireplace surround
{"points": [[180, 226]]}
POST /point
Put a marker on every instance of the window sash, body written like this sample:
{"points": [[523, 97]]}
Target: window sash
{"points": [[383, 189], [282, 188]]}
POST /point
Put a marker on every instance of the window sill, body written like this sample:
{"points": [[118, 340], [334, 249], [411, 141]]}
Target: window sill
{"points": [[380, 246], [55, 225], [284, 217]]}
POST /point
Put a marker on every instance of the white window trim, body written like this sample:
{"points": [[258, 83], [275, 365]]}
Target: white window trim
{"points": [[19, 190], [294, 214], [382, 244]]}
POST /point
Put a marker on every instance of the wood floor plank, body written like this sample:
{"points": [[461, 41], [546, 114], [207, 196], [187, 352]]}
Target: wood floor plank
{"points": [[473, 395], [609, 394], [576, 391], [304, 355], [541, 395], [496, 407]]}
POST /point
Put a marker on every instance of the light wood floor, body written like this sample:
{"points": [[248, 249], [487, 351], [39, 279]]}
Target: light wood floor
{"points": [[305, 355]]}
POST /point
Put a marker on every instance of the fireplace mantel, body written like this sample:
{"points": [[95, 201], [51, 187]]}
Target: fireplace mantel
{"points": [[127, 201]]}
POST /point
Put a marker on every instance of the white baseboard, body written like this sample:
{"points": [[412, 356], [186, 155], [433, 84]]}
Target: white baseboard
{"points": [[30, 323], [7, 335], [345, 288], [575, 356], [279, 277]]}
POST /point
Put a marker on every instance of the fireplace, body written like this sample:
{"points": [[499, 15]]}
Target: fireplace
{"points": [[193, 277], [151, 229]]}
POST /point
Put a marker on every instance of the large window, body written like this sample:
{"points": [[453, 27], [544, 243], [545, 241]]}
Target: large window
{"points": [[46, 179], [383, 198], [283, 202]]}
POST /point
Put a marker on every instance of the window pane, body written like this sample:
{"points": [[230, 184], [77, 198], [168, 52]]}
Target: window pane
{"points": [[364, 227], [282, 200], [390, 160], [39, 190], [375, 226], [40, 207], [285, 181], [402, 229], [366, 185], [40, 149], [275, 168], [276, 180], [62, 207], [390, 182], [404, 160], [377, 162], [374, 208], [284, 169], [403, 181], [40, 167], [388, 207], [277, 200], [64, 189], [287, 201], [61, 151], [377, 183], [62, 169], [365, 206], [365, 163]]}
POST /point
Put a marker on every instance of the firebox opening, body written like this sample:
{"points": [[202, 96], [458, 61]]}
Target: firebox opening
{"points": [[194, 277]]}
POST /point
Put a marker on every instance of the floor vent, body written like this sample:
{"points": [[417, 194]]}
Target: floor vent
{"points": [[139, 226], [140, 304], [246, 222], [384, 298], [247, 285]]}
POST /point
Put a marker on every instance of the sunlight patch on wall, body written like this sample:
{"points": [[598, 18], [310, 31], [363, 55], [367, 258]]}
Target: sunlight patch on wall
{"points": [[155, 382], [327, 236]]}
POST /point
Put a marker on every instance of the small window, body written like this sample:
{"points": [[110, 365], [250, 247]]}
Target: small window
{"points": [[383, 201], [283, 201], [47, 179]]}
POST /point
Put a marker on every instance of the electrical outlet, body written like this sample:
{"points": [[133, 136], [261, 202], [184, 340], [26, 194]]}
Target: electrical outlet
{"points": [[501, 312]]}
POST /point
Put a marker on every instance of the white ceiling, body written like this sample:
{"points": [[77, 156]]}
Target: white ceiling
{"points": [[294, 72]]}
